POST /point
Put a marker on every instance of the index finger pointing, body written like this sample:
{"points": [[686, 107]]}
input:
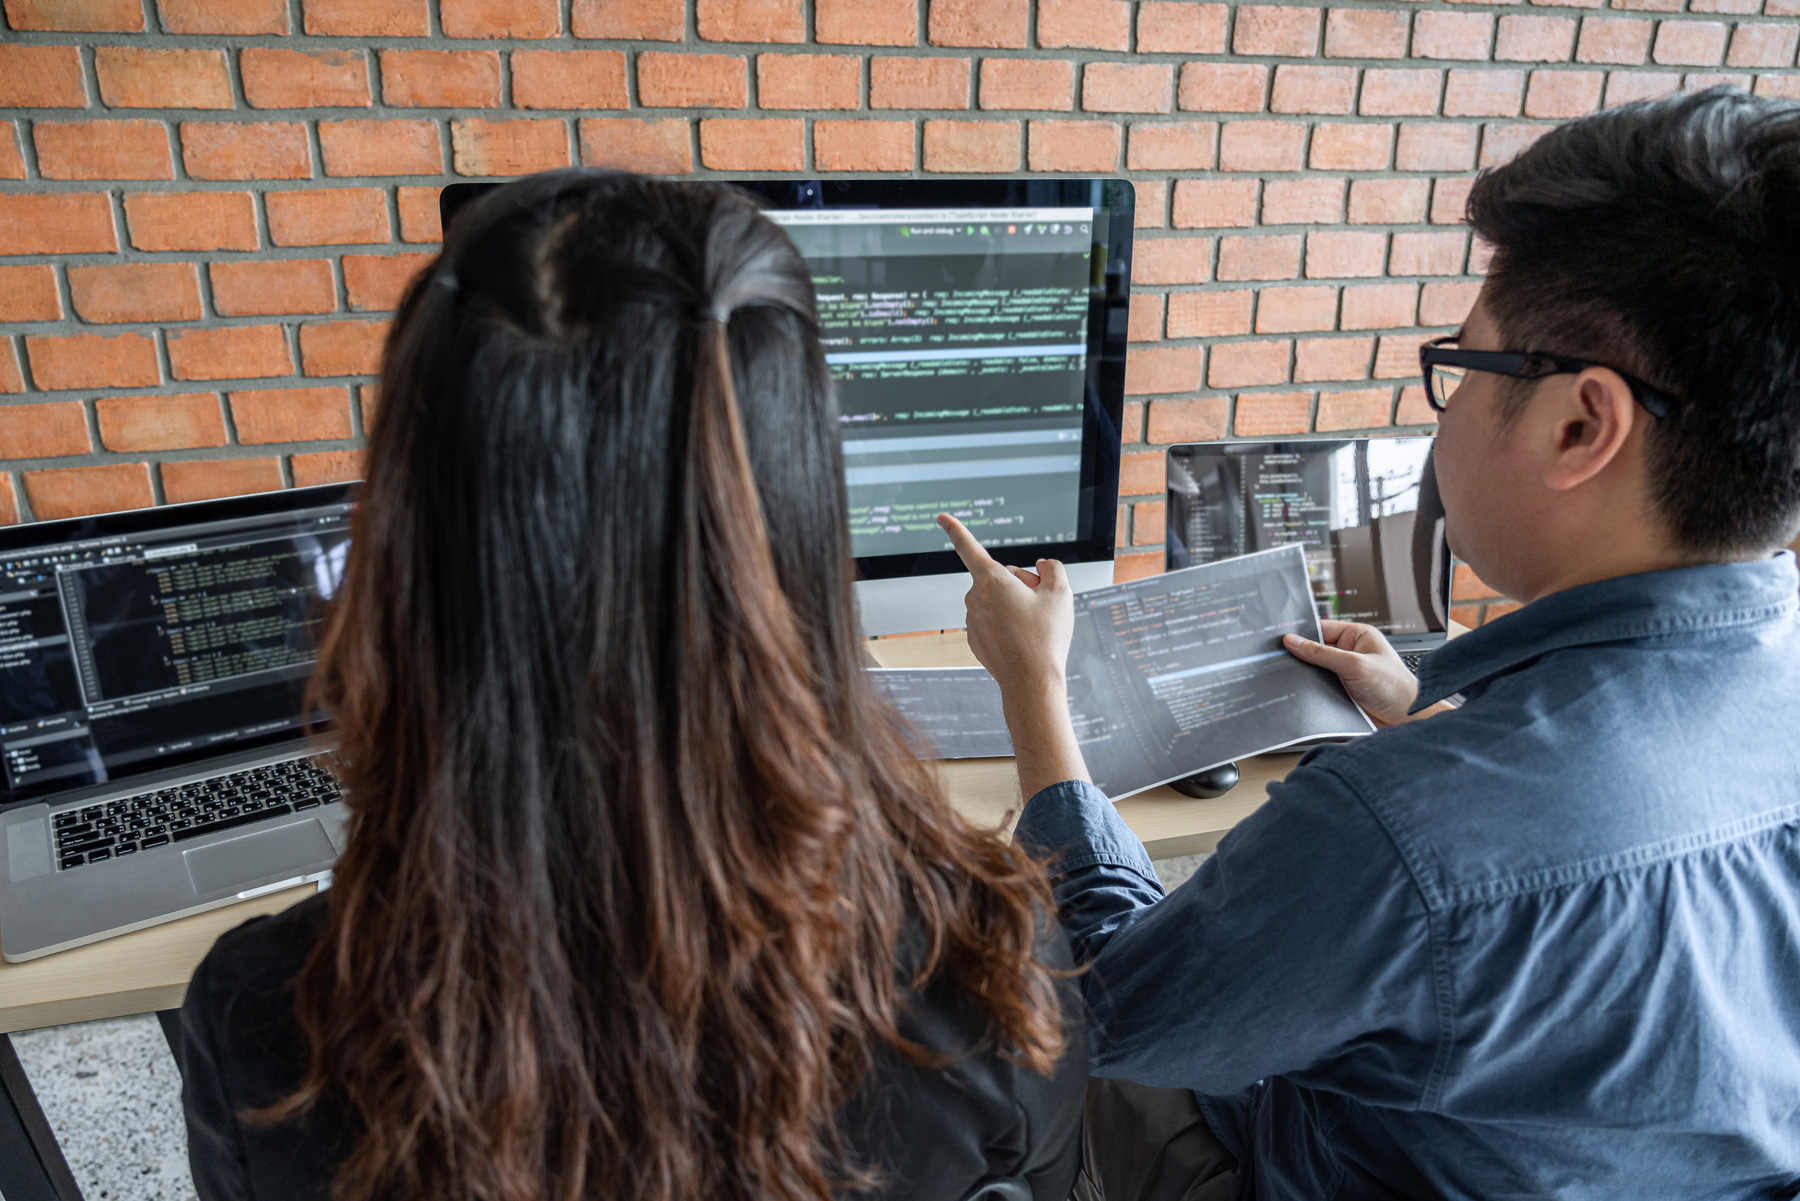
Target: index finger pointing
{"points": [[971, 552]]}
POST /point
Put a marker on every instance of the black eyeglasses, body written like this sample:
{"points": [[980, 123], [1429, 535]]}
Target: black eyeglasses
{"points": [[1444, 366]]}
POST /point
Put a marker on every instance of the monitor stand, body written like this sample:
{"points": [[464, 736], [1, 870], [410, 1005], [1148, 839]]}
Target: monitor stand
{"points": [[910, 604]]}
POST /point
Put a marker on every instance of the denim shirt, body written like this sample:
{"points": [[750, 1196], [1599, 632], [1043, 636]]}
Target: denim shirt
{"points": [[1544, 945]]}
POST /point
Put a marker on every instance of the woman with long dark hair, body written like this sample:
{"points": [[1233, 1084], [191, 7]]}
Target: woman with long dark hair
{"points": [[644, 897]]}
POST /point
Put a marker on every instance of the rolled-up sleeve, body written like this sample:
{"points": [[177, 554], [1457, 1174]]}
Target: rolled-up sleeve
{"points": [[1299, 936], [1102, 874]]}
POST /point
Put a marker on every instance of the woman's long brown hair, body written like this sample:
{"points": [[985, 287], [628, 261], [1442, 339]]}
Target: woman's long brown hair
{"points": [[633, 843]]}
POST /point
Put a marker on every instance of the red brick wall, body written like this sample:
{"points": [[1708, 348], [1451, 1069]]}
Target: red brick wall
{"points": [[208, 207]]}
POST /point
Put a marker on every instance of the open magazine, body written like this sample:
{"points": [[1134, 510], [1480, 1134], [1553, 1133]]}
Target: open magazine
{"points": [[1168, 676]]}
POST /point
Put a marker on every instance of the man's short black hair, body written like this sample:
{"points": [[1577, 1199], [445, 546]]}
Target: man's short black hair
{"points": [[1663, 239]]}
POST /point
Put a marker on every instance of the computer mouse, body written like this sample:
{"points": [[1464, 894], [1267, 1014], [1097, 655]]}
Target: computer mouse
{"points": [[1203, 786]]}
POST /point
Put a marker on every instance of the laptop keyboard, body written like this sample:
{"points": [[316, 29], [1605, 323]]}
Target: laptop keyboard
{"points": [[114, 829], [1413, 659]]}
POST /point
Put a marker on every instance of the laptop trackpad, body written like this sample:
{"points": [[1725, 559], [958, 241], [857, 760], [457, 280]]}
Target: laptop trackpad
{"points": [[238, 862]]}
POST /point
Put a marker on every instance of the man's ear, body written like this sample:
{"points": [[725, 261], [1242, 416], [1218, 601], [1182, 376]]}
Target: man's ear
{"points": [[1590, 418]]}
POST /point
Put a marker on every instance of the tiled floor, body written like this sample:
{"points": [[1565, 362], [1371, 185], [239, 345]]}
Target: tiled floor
{"points": [[1175, 872], [112, 1094]]}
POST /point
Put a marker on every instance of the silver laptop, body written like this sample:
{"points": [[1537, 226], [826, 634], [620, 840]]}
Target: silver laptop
{"points": [[1366, 509], [158, 753]]}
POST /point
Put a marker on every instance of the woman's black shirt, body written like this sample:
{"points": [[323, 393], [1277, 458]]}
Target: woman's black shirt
{"points": [[936, 1133]]}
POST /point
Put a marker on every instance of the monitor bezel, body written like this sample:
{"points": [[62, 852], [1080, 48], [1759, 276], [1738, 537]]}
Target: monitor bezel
{"points": [[1108, 317], [1244, 446]]}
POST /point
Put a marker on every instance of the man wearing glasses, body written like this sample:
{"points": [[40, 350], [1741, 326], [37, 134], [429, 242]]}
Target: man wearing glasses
{"points": [[1546, 941]]}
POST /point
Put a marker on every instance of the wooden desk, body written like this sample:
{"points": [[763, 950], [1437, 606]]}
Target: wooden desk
{"points": [[149, 970]]}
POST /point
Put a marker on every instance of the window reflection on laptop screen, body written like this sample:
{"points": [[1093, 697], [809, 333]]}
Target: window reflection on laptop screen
{"points": [[121, 652], [1366, 510]]}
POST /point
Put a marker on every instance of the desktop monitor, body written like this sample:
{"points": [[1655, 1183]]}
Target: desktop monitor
{"points": [[975, 331], [1366, 510]]}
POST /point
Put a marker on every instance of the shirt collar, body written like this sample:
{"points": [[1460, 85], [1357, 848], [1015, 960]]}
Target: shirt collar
{"points": [[1712, 596]]}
